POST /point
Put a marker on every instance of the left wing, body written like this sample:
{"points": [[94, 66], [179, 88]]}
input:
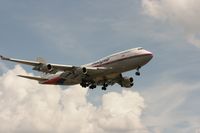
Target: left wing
{"points": [[33, 78]]}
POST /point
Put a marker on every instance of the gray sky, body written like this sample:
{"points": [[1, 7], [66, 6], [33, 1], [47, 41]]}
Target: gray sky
{"points": [[78, 32]]}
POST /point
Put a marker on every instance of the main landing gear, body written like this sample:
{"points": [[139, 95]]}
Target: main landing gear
{"points": [[104, 86], [84, 84], [92, 86], [138, 71]]}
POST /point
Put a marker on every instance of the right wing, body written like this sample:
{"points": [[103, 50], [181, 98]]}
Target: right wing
{"points": [[54, 68], [38, 66], [31, 63]]}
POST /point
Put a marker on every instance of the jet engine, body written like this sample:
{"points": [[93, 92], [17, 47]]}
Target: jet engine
{"points": [[127, 82], [46, 68], [84, 70], [80, 70]]}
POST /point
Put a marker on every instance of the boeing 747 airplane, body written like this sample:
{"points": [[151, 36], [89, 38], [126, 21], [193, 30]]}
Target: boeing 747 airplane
{"points": [[104, 72]]}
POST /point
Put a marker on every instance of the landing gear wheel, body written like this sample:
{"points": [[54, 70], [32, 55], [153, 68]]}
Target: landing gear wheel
{"points": [[137, 73], [84, 84], [131, 84], [104, 88], [131, 79], [92, 86]]}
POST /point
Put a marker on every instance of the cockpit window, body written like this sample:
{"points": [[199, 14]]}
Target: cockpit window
{"points": [[140, 48]]}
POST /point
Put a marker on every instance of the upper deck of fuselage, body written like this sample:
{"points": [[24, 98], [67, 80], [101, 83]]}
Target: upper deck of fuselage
{"points": [[116, 56]]}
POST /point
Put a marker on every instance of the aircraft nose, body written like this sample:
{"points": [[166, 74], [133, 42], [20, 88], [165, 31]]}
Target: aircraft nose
{"points": [[150, 54]]}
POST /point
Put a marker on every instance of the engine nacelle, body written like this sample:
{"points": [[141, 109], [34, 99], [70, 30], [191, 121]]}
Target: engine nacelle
{"points": [[127, 82], [81, 70], [49, 67], [44, 68], [84, 70]]}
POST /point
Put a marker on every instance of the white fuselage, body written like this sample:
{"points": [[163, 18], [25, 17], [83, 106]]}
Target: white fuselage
{"points": [[119, 62], [125, 60]]}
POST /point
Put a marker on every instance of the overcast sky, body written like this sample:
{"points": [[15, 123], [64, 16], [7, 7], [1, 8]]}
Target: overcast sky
{"points": [[165, 97]]}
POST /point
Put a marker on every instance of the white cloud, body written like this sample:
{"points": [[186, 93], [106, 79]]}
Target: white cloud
{"points": [[166, 107], [183, 13], [26, 106], [3, 68]]}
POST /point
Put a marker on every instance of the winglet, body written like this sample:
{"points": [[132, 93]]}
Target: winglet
{"points": [[4, 58]]}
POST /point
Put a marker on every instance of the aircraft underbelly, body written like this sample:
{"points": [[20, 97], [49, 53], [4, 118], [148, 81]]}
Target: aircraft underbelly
{"points": [[72, 80], [67, 82]]}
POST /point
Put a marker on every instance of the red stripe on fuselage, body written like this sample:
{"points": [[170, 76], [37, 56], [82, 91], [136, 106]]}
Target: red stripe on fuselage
{"points": [[52, 81]]}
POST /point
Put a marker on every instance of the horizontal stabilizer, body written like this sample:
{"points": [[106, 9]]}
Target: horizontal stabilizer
{"points": [[33, 77]]}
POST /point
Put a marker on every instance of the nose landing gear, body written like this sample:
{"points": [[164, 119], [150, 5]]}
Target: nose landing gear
{"points": [[138, 71]]}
